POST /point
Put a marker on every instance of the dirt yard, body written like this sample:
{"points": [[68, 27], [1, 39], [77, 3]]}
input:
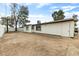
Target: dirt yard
{"points": [[28, 44]]}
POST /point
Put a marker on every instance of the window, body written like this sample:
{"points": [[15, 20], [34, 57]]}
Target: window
{"points": [[27, 27], [32, 27], [38, 27]]}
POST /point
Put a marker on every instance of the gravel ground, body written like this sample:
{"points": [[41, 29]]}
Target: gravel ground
{"points": [[29, 44]]}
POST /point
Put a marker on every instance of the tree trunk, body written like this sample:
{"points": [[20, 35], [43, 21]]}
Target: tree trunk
{"points": [[7, 25], [15, 25], [15, 22]]}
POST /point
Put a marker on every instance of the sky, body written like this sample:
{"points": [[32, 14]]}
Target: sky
{"points": [[43, 11]]}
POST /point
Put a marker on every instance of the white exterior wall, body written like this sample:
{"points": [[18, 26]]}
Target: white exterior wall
{"points": [[2, 30], [29, 29], [72, 29], [20, 29], [11, 29], [61, 28]]}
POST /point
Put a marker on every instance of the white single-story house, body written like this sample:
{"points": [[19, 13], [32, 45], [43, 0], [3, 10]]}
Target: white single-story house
{"points": [[64, 27]]}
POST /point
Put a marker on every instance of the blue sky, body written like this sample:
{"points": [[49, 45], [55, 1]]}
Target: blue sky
{"points": [[43, 11]]}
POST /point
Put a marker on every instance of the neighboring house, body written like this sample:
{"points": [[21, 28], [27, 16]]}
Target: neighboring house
{"points": [[64, 27], [2, 30]]}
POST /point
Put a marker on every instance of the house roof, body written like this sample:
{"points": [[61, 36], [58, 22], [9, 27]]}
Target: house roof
{"points": [[58, 21], [28, 24]]}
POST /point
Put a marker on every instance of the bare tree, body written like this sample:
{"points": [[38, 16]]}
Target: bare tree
{"points": [[13, 15]]}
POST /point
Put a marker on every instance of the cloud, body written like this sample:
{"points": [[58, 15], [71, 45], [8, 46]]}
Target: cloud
{"points": [[43, 18], [2, 14], [67, 8], [40, 5], [25, 4], [53, 7], [70, 14], [64, 8], [40, 15], [53, 10]]}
